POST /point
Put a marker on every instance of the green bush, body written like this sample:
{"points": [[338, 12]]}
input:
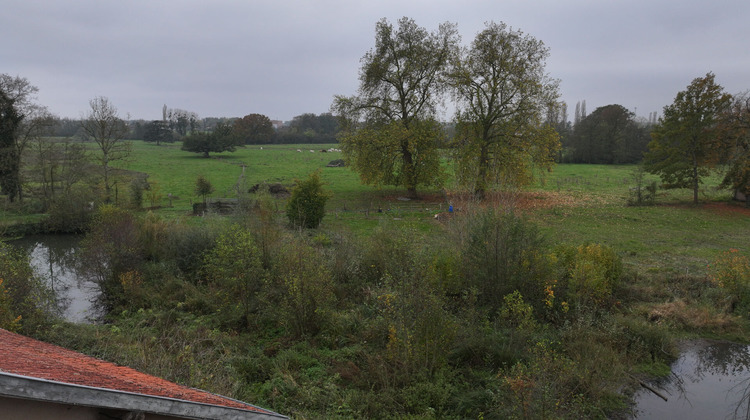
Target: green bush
{"points": [[234, 271], [306, 207], [590, 274], [300, 292], [420, 330], [731, 272], [184, 246], [26, 302], [72, 212], [502, 253], [112, 254]]}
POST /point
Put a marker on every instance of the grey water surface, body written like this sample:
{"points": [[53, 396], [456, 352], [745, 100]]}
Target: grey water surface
{"points": [[53, 258], [710, 380]]}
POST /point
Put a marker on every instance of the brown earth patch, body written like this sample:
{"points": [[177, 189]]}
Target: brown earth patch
{"points": [[526, 200], [720, 208]]}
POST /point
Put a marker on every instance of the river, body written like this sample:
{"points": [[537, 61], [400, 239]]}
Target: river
{"points": [[710, 380], [53, 258]]}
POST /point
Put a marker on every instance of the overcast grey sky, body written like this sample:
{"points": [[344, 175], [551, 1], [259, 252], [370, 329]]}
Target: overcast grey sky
{"points": [[283, 58]]}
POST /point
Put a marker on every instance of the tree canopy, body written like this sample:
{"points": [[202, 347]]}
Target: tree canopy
{"points": [[33, 122], [389, 128], [610, 134], [253, 129], [103, 126], [10, 161], [158, 132], [734, 128], [221, 139], [503, 93], [685, 144]]}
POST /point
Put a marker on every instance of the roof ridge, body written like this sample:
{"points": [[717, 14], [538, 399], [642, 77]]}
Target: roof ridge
{"points": [[28, 357]]}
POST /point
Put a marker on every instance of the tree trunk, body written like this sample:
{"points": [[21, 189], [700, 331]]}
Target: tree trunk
{"points": [[481, 183], [695, 181], [410, 177]]}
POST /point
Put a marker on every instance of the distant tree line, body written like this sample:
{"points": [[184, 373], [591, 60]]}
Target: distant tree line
{"points": [[250, 129]]}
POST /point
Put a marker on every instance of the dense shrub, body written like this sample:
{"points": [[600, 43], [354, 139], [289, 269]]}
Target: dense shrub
{"points": [[184, 246], [72, 212], [8, 319], [731, 272], [27, 303], [300, 293], [112, 253], [502, 253], [420, 330], [307, 205], [234, 271], [590, 274]]}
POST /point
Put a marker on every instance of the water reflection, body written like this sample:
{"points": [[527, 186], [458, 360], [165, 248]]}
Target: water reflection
{"points": [[710, 380], [53, 258]]}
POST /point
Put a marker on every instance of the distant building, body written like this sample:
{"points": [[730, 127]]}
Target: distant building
{"points": [[277, 124], [43, 381]]}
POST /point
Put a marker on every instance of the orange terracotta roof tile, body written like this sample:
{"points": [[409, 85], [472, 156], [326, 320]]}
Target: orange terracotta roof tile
{"points": [[25, 356]]}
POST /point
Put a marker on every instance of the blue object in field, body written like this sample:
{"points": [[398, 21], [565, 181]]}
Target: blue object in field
{"points": [[450, 209]]}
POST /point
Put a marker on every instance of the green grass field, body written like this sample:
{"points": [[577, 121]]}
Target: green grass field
{"points": [[572, 204]]}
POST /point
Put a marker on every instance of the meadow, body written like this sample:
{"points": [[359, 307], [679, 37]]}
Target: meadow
{"points": [[551, 301], [574, 203]]}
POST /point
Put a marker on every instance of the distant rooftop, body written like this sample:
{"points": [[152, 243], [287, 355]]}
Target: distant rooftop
{"points": [[28, 366]]}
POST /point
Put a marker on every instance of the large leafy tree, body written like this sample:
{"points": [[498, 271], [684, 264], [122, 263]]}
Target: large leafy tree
{"points": [[735, 134], [34, 122], [389, 128], [181, 121], [254, 129], [158, 132], [10, 161], [503, 96], [685, 144], [103, 126], [610, 134], [221, 139]]}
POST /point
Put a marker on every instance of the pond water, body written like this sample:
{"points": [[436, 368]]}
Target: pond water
{"points": [[53, 258], [710, 380]]}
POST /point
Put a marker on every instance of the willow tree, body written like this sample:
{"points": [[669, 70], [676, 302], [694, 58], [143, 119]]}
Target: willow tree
{"points": [[390, 131], [686, 143], [502, 94]]}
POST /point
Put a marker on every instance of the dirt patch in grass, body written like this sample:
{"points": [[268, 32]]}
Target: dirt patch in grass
{"points": [[718, 208], [524, 200], [423, 198], [727, 208]]}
